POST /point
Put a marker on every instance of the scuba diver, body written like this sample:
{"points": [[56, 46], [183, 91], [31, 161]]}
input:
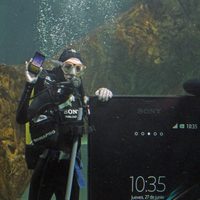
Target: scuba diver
{"points": [[53, 106]]}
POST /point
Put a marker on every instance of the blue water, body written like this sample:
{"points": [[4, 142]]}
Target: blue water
{"points": [[49, 25], [63, 22]]}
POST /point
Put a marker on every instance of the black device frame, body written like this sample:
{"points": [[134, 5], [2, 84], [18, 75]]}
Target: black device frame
{"points": [[121, 150]]}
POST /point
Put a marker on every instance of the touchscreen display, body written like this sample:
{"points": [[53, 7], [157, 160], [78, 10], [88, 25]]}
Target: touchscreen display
{"points": [[145, 148]]}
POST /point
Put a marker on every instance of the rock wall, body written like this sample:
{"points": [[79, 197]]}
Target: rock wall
{"points": [[149, 50], [14, 175]]}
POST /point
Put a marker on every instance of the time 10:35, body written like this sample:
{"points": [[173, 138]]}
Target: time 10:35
{"points": [[148, 184]]}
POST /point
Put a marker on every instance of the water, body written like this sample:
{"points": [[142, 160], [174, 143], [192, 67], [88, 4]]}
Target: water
{"points": [[49, 25], [60, 23]]}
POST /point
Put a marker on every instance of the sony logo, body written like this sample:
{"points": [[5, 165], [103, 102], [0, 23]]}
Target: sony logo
{"points": [[148, 111], [71, 111]]}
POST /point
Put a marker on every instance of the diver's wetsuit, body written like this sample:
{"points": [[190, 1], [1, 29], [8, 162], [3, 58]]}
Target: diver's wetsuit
{"points": [[50, 173]]}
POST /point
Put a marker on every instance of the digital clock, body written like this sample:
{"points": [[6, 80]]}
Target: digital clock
{"points": [[148, 184]]}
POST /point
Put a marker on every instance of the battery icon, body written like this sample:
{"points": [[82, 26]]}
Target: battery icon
{"points": [[181, 126]]}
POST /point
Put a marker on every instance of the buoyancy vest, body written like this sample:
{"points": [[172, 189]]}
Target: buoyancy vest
{"points": [[45, 129]]}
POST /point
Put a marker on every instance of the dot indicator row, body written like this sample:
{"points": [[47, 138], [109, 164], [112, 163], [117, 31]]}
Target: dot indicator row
{"points": [[142, 133]]}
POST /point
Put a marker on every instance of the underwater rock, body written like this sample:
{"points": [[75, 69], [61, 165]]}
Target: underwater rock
{"points": [[149, 50], [14, 175]]}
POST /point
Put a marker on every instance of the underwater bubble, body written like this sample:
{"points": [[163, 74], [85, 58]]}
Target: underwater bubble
{"points": [[62, 22]]}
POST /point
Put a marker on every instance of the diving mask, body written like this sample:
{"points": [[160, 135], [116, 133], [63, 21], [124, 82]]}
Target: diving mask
{"points": [[73, 67]]}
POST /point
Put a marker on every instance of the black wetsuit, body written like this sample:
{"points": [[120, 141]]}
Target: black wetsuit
{"points": [[51, 171]]}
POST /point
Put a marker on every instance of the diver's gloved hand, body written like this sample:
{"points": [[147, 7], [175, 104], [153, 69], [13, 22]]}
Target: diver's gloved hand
{"points": [[30, 77], [103, 94]]}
